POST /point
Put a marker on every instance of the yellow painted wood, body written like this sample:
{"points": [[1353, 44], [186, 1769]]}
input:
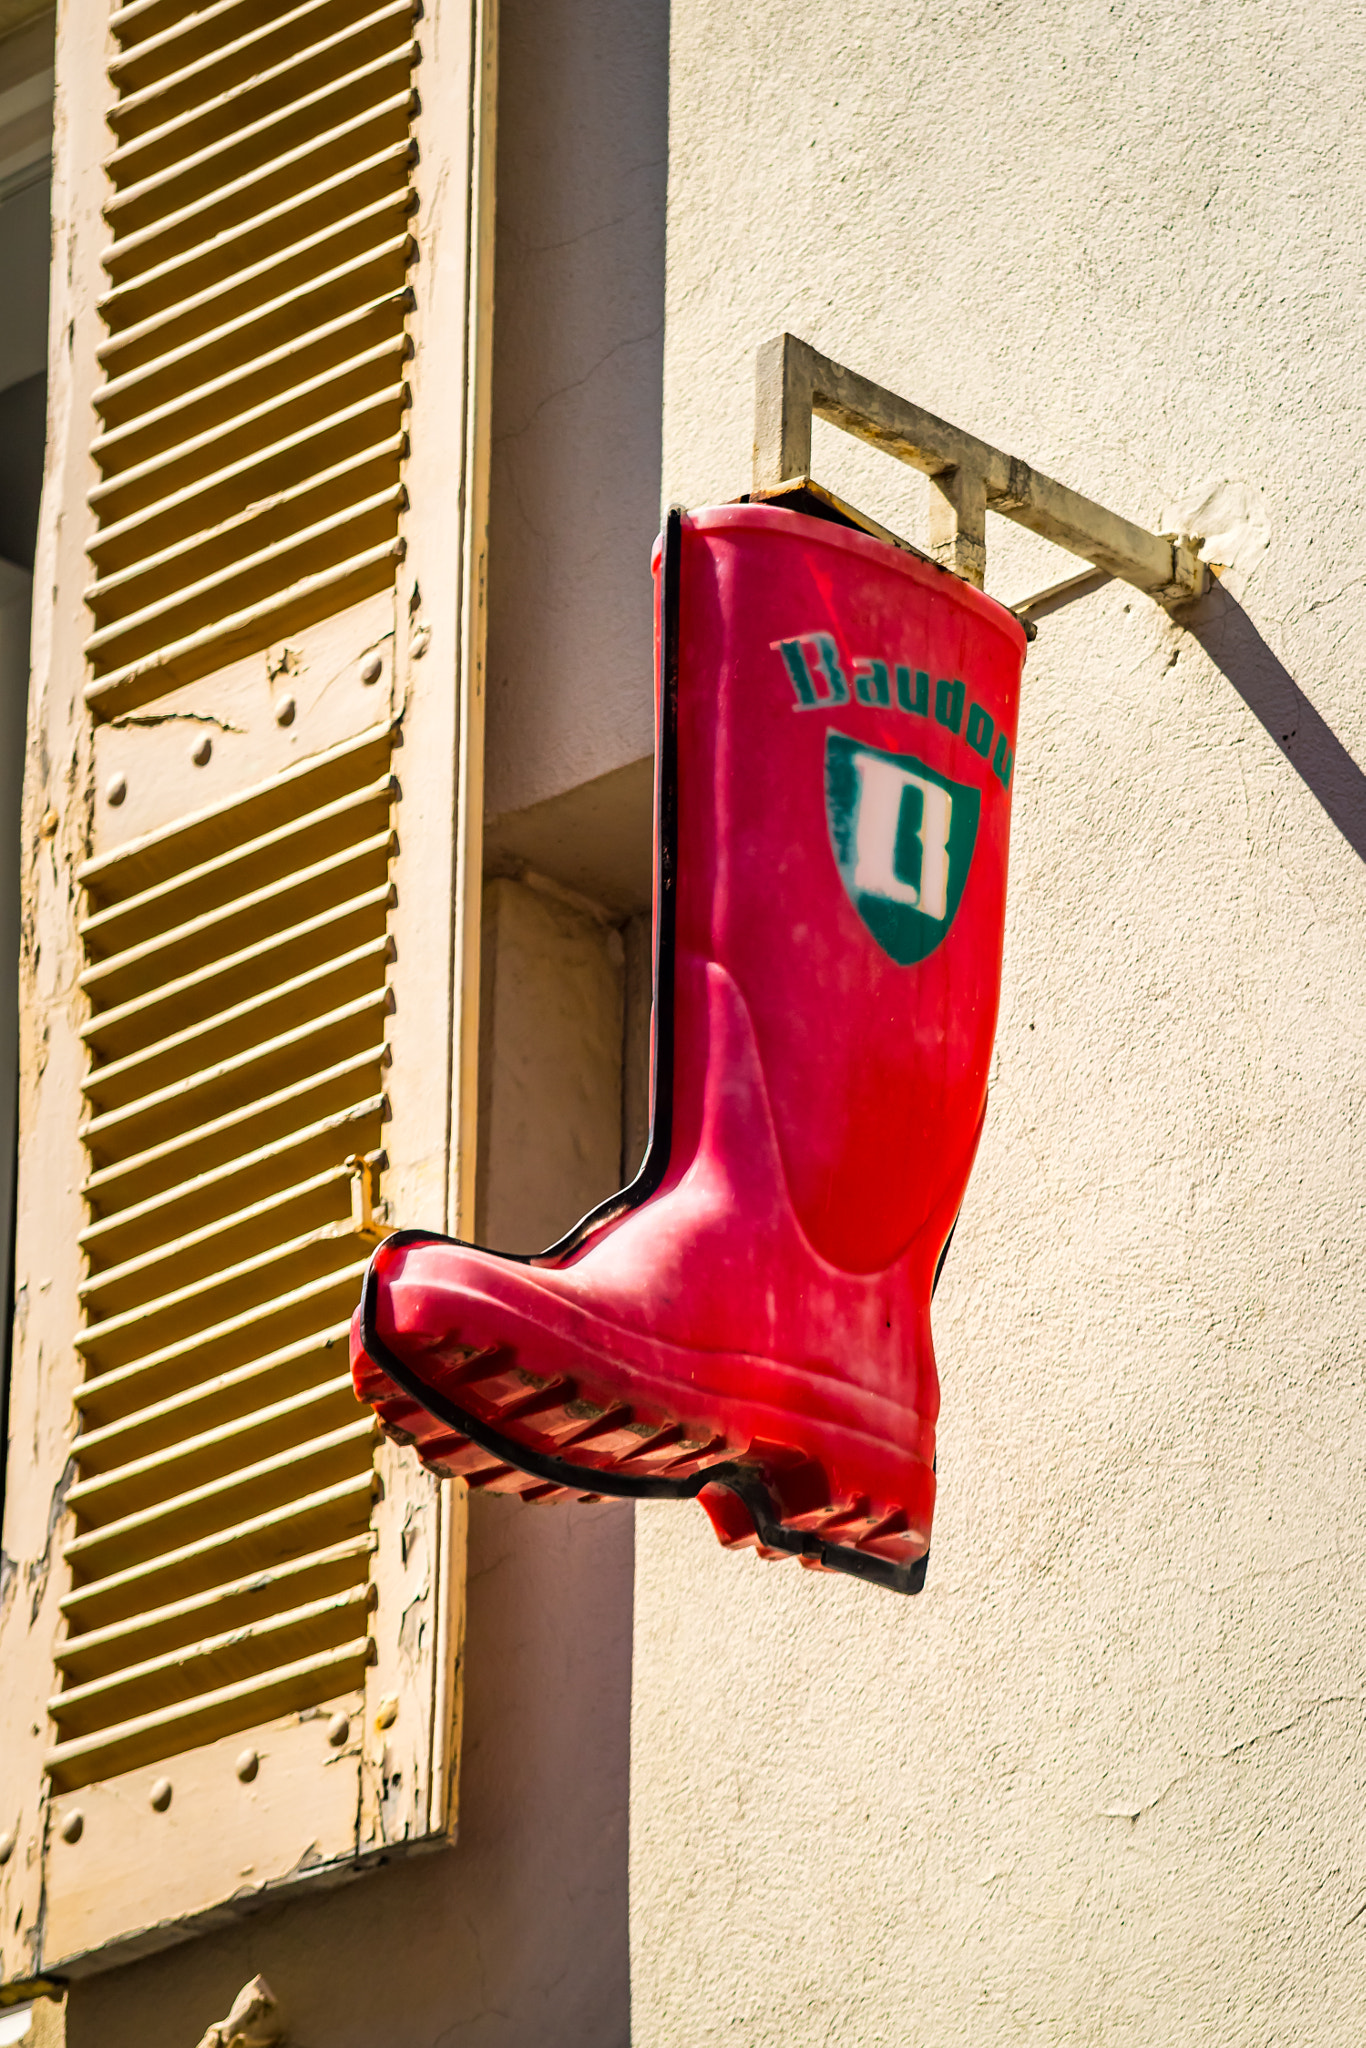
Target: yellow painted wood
{"points": [[222, 1837], [230, 1656], [306, 600], [149, 1632], [307, 1526], [237, 1187], [169, 1731], [222, 1245], [213, 1454], [245, 975], [267, 1325]]}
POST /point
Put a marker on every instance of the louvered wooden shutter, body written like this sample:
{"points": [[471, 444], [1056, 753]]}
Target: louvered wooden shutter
{"points": [[238, 994], [236, 1610], [254, 372]]}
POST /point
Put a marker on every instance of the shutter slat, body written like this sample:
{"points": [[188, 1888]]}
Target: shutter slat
{"points": [[208, 1303], [240, 1653], [98, 1651], [218, 1400], [266, 1326], [332, 1098], [170, 1732], [268, 571], [228, 1242], [298, 310], [302, 604], [160, 36], [145, 1020], [147, 27], [267, 517], [187, 269], [230, 825], [254, 392], [215, 1507], [237, 972], [368, 374], [208, 1042], [238, 60], [281, 905], [234, 1187], [130, 416], [308, 837], [157, 175], [161, 1475], [306, 1527], [206, 500], [263, 1068]]}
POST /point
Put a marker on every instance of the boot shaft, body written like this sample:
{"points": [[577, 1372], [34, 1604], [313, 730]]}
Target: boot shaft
{"points": [[846, 731]]}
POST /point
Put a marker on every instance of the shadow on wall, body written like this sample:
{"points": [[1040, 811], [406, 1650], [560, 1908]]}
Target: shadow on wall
{"points": [[517, 1937], [1276, 700], [1226, 633]]}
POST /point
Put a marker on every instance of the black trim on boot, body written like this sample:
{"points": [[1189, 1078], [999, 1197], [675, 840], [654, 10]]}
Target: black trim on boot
{"points": [[655, 1164], [746, 1481]]}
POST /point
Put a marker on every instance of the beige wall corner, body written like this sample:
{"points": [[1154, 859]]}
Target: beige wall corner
{"points": [[551, 1109], [579, 313]]}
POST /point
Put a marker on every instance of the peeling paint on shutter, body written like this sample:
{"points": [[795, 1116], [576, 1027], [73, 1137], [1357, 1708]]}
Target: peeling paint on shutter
{"points": [[249, 977], [237, 977]]}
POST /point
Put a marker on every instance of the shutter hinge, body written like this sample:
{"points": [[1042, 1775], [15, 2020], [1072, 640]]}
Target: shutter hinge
{"points": [[369, 1215]]}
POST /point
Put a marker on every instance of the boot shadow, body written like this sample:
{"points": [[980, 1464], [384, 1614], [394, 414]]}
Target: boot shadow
{"points": [[1281, 708]]}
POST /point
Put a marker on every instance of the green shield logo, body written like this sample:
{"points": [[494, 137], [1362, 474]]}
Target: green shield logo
{"points": [[903, 836]]}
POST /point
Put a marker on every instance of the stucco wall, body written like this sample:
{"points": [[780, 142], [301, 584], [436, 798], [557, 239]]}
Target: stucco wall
{"points": [[1104, 1781]]}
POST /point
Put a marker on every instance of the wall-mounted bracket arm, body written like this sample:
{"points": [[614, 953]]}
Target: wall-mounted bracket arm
{"points": [[969, 478]]}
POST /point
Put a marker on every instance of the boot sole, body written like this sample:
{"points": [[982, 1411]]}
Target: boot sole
{"points": [[751, 1501]]}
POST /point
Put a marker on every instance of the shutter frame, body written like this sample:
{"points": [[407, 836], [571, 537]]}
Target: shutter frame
{"points": [[313, 1811]]}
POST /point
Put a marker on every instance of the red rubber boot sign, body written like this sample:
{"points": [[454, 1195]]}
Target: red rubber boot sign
{"points": [[748, 1324]]}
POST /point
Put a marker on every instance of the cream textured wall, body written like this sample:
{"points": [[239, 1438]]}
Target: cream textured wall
{"points": [[1105, 1782]]}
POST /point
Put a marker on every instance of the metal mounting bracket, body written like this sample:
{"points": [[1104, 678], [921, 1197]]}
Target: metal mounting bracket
{"points": [[968, 477]]}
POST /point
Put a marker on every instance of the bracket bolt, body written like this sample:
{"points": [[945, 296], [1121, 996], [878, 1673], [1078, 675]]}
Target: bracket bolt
{"points": [[338, 1729], [73, 1827], [161, 1795], [203, 750], [388, 1711], [371, 669], [284, 711], [7, 1844], [116, 789], [247, 1765]]}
